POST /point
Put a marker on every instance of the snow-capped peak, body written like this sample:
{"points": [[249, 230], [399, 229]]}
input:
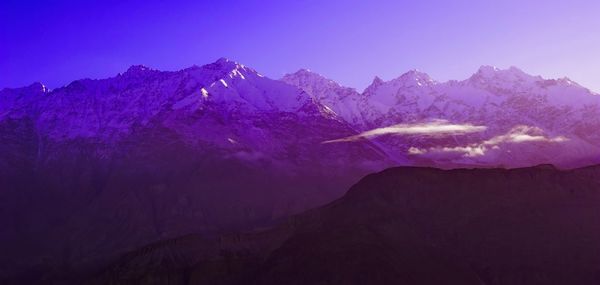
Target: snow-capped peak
{"points": [[223, 60], [335, 98], [412, 77], [320, 88], [226, 64], [493, 78], [220, 64], [487, 72], [304, 73], [305, 78], [229, 69], [415, 74], [415, 77], [38, 87]]}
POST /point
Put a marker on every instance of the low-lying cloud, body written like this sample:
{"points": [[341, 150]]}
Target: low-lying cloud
{"points": [[433, 128], [518, 134]]}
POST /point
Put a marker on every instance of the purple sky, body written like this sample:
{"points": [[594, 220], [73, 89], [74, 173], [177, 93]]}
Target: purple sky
{"points": [[55, 42]]}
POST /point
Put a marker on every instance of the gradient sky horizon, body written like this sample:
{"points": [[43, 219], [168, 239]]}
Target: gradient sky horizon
{"points": [[56, 42]]}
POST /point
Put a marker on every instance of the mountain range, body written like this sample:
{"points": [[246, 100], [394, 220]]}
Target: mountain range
{"points": [[100, 167], [523, 119]]}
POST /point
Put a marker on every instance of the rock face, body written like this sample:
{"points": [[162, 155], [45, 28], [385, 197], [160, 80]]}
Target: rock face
{"points": [[405, 226]]}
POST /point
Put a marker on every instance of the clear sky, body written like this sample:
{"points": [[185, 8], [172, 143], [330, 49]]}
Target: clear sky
{"points": [[350, 41]]}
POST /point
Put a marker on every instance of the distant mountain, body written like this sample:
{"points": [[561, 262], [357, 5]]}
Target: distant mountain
{"points": [[405, 225], [528, 120], [344, 101]]}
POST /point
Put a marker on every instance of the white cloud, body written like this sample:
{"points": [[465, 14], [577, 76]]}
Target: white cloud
{"points": [[522, 133], [433, 128], [468, 151], [415, 150], [518, 134]]}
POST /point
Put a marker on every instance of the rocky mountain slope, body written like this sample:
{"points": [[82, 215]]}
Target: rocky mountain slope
{"points": [[405, 225]]}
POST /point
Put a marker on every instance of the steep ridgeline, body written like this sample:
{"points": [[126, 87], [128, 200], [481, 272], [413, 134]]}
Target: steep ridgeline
{"points": [[102, 166], [408, 226], [525, 120]]}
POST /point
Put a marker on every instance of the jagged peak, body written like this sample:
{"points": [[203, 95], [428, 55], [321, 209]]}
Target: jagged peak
{"points": [[138, 68], [228, 66], [488, 71], [304, 73], [377, 81], [489, 74], [412, 77], [223, 70], [415, 72], [417, 76], [567, 81], [221, 63], [227, 63], [306, 76], [222, 60], [35, 87], [38, 86], [305, 70], [513, 68]]}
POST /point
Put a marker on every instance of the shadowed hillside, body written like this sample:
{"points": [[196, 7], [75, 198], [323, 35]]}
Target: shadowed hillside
{"points": [[405, 226]]}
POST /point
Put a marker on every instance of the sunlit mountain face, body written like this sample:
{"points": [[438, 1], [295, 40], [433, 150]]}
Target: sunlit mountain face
{"points": [[494, 118], [98, 168]]}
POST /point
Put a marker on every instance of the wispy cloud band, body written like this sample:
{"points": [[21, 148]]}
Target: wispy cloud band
{"points": [[433, 128], [518, 134]]}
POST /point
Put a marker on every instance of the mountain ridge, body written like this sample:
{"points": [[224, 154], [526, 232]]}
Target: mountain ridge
{"points": [[148, 155], [419, 225], [554, 106], [505, 100]]}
